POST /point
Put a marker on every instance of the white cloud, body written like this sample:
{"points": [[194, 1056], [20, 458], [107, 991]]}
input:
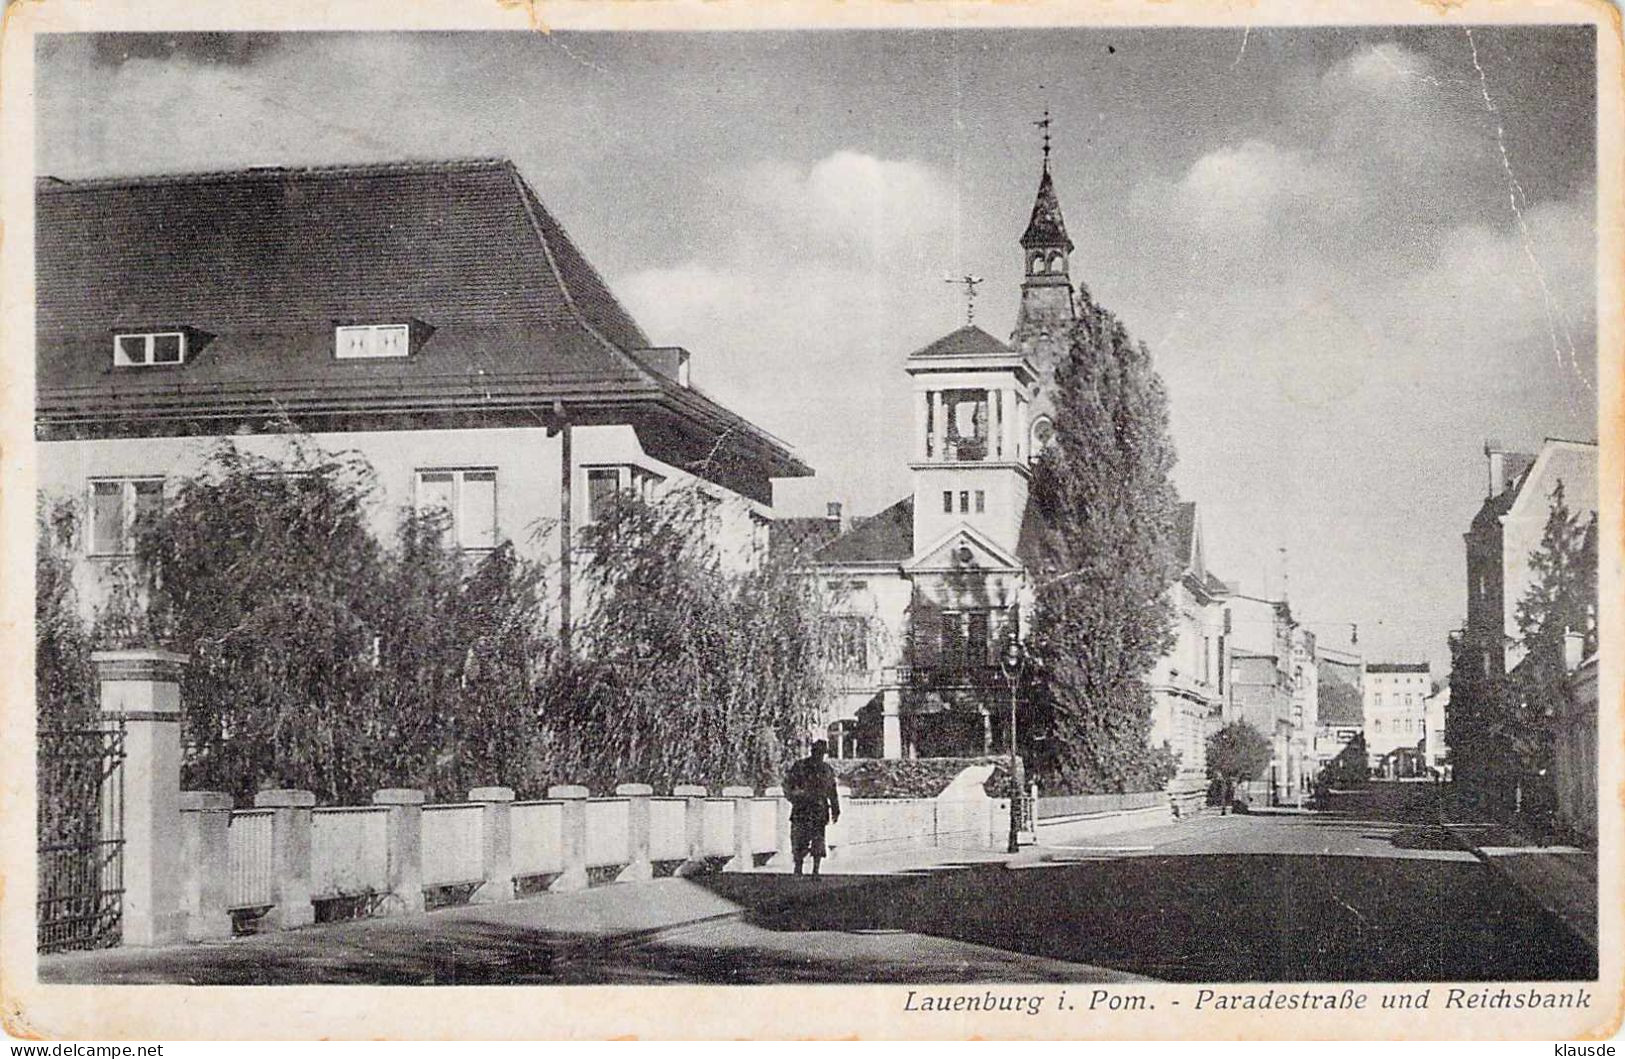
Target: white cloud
{"points": [[850, 201]]}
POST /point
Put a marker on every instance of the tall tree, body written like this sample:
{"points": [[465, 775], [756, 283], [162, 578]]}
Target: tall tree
{"points": [[1562, 597], [1101, 558], [1500, 726]]}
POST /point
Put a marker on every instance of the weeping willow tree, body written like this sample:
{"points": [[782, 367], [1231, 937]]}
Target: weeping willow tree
{"points": [[322, 658], [691, 669]]}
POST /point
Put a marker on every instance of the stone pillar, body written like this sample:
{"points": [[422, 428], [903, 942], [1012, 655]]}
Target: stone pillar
{"points": [[939, 428], [496, 843], [891, 723], [290, 857], [142, 688], [205, 864], [922, 404], [742, 860], [405, 846], [574, 876], [835, 835], [694, 827], [781, 824], [638, 867]]}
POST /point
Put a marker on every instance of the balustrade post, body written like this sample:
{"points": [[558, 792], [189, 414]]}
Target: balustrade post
{"points": [[742, 860], [574, 875], [290, 857], [781, 824], [835, 835], [693, 828], [496, 844], [405, 846], [142, 689], [205, 864], [637, 867]]}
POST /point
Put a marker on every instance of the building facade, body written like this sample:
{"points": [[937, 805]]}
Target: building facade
{"points": [[1396, 695], [432, 317], [1340, 702], [1506, 532]]}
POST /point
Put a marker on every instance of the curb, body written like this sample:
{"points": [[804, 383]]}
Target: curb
{"points": [[1584, 929]]}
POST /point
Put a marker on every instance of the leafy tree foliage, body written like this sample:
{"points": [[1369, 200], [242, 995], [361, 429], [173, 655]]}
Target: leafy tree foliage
{"points": [[1101, 560], [689, 672], [64, 682], [1238, 752]]}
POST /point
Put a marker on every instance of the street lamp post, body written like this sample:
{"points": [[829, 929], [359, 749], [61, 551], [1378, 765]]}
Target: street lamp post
{"points": [[1010, 662]]}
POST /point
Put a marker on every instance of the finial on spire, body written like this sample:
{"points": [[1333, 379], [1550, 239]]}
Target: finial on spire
{"points": [[1044, 123], [970, 283]]}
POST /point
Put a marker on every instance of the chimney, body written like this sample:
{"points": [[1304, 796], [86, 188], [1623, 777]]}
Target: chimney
{"points": [[832, 511], [1498, 467]]}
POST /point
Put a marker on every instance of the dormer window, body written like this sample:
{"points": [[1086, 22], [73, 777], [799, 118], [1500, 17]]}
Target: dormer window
{"points": [[373, 341], [145, 349]]}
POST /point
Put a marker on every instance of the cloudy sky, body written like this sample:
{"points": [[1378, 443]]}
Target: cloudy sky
{"points": [[1355, 254]]}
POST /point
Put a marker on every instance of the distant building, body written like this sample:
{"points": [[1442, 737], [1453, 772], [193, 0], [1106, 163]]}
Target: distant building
{"points": [[1188, 683], [1340, 676], [1436, 752], [1261, 633], [1396, 696], [1507, 531]]}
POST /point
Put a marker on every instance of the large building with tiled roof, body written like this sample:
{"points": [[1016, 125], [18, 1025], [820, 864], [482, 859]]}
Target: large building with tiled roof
{"points": [[926, 591], [434, 317]]}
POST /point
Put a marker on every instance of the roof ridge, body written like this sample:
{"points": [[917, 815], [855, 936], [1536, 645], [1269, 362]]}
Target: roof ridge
{"points": [[47, 182]]}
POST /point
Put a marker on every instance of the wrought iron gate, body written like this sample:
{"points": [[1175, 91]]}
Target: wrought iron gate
{"points": [[81, 838]]}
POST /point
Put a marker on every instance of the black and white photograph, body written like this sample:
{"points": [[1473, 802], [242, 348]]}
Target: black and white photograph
{"points": [[1023, 522]]}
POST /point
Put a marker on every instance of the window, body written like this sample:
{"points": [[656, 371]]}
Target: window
{"points": [[372, 341], [120, 509], [967, 638], [603, 486], [846, 637], [606, 484], [964, 502], [981, 501], [148, 348], [947, 502], [468, 497]]}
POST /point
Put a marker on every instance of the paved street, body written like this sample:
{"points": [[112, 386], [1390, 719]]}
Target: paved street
{"points": [[1374, 890]]}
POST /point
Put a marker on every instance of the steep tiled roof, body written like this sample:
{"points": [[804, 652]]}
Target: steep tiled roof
{"points": [[274, 251], [886, 537], [1046, 228], [1397, 667], [801, 536], [260, 265], [968, 341]]}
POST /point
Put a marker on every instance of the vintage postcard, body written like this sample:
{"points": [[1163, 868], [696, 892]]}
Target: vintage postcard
{"points": [[1005, 520]]}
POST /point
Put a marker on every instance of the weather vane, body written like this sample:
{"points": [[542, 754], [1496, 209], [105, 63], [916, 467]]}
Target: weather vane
{"points": [[970, 283], [1044, 123]]}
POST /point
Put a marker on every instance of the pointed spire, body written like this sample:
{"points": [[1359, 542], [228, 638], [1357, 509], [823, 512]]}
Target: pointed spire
{"points": [[1046, 229]]}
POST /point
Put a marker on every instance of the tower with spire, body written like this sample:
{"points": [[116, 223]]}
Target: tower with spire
{"points": [[1047, 311]]}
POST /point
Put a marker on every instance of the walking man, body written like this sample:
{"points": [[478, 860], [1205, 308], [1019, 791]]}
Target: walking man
{"points": [[814, 803]]}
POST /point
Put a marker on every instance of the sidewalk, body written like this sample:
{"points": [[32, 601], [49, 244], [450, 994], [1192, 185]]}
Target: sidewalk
{"points": [[759, 926], [1561, 879]]}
